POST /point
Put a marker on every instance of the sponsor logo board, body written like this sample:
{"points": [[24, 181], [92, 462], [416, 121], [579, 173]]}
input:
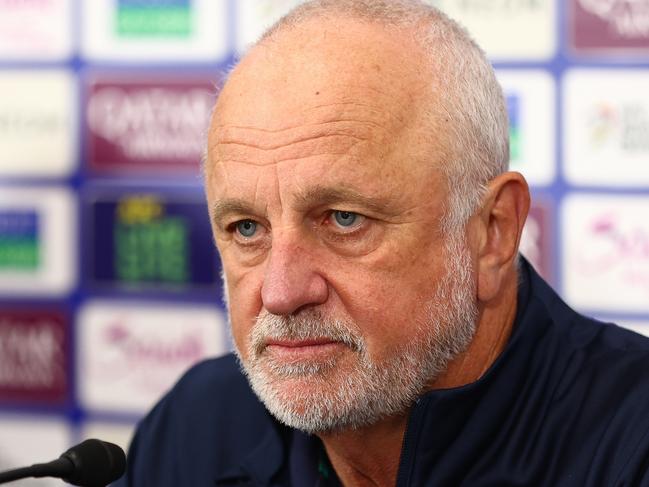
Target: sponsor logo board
{"points": [[149, 124], [146, 18], [37, 237], [536, 240], [153, 31], [33, 356], [530, 97], [37, 123], [152, 241], [35, 30], [130, 355], [606, 127], [618, 27], [606, 252], [29, 439], [19, 240], [507, 29]]}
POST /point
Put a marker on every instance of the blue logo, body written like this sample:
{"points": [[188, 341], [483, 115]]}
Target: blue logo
{"points": [[19, 240], [513, 111]]}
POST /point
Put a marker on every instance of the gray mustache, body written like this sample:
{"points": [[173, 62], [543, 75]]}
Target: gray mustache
{"points": [[307, 325]]}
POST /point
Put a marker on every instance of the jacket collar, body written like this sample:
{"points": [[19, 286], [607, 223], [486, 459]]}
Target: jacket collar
{"points": [[262, 463]]}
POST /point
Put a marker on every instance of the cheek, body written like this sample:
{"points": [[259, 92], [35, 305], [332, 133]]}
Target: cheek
{"points": [[388, 297], [245, 304]]}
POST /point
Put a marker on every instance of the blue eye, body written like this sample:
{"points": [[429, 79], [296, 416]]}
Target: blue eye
{"points": [[345, 218], [247, 228]]}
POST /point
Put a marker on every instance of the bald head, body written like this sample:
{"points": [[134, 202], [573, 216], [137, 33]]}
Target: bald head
{"points": [[404, 58]]}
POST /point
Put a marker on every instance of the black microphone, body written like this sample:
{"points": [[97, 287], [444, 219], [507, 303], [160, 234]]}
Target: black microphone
{"points": [[91, 463]]}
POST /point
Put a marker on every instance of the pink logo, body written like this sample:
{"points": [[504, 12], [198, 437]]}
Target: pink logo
{"points": [[141, 359], [610, 247], [153, 350]]}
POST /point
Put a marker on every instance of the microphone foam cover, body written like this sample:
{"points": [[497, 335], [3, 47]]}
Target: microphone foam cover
{"points": [[96, 463]]}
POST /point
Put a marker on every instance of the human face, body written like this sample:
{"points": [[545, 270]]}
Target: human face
{"points": [[326, 209], [376, 388]]}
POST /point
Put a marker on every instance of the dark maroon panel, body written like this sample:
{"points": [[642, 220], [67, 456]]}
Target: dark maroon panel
{"points": [[143, 124], [34, 349], [610, 25]]}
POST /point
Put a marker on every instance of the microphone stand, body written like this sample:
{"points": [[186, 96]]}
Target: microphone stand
{"points": [[60, 468]]}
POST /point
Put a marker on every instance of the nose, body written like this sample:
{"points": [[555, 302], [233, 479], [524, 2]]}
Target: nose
{"points": [[291, 281]]}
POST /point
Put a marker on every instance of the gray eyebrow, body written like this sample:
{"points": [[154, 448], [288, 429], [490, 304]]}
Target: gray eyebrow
{"points": [[222, 208], [322, 195], [318, 195]]}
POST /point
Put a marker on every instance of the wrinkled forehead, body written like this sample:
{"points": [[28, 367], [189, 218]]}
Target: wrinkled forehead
{"points": [[325, 69]]}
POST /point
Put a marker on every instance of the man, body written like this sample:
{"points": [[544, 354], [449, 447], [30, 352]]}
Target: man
{"points": [[358, 188]]}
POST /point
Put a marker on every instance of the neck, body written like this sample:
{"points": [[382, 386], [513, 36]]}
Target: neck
{"points": [[370, 456]]}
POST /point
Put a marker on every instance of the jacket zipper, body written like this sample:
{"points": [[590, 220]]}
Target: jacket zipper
{"points": [[409, 443]]}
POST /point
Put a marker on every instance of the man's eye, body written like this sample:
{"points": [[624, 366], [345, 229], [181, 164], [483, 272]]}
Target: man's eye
{"points": [[345, 219], [247, 228]]}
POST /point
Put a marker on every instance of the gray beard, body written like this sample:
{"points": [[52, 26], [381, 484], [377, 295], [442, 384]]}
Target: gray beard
{"points": [[374, 389]]}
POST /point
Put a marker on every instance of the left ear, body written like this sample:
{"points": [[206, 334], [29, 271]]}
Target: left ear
{"points": [[498, 226]]}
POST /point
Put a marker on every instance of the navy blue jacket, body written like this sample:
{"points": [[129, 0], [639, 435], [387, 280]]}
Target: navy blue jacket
{"points": [[566, 404]]}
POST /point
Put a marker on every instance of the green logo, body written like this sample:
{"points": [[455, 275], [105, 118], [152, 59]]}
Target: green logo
{"points": [[154, 18]]}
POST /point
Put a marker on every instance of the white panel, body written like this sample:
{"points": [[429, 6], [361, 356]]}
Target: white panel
{"points": [[508, 29], [129, 355], [606, 252], [37, 123], [26, 439], [532, 93], [205, 39], [36, 31], [606, 122]]}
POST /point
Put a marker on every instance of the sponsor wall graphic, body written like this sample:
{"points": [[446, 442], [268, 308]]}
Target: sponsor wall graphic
{"points": [[606, 247], [152, 241], [143, 123], [129, 356], [496, 23], [154, 31], [99, 98], [609, 27], [530, 98], [144, 18], [606, 120], [34, 351], [37, 241], [37, 123], [28, 439], [35, 30]]}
